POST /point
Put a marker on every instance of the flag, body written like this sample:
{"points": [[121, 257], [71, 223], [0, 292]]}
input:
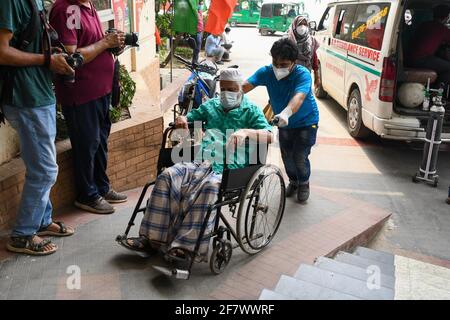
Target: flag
{"points": [[219, 13], [185, 16]]}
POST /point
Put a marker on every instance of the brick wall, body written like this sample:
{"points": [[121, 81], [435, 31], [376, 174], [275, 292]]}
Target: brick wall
{"points": [[133, 154]]}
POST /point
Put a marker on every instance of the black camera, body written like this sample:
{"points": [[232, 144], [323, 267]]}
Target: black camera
{"points": [[75, 61], [131, 40]]}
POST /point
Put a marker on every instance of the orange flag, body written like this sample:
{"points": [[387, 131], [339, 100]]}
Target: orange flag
{"points": [[219, 13]]}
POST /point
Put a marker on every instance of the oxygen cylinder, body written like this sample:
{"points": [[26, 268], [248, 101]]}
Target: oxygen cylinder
{"points": [[432, 142]]}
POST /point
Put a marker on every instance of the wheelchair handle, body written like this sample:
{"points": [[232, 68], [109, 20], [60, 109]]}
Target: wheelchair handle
{"points": [[191, 125], [274, 121]]}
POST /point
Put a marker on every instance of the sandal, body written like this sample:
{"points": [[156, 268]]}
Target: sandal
{"points": [[27, 246], [179, 254], [62, 232], [140, 244]]}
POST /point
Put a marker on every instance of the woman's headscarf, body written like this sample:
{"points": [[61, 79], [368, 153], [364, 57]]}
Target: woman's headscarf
{"points": [[306, 44]]}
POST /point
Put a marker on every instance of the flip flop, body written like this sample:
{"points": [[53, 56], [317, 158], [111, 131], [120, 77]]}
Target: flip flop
{"points": [[62, 232], [138, 244]]}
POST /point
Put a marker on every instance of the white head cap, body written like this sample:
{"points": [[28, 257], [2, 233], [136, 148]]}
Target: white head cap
{"points": [[231, 74]]}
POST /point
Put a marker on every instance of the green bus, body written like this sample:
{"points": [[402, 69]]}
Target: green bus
{"points": [[246, 12], [277, 15]]}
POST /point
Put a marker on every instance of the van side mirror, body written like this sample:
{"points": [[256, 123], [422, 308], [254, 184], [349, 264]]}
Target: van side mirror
{"points": [[313, 25]]}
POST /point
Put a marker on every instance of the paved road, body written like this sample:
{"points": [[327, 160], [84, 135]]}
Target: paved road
{"points": [[378, 172]]}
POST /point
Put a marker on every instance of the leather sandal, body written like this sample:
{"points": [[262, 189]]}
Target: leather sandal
{"points": [[62, 232], [27, 246], [139, 244]]}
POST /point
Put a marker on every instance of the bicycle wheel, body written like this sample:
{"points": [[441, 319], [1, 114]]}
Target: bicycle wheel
{"points": [[261, 209]]}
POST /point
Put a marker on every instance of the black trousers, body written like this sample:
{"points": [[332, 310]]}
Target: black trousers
{"points": [[89, 126]]}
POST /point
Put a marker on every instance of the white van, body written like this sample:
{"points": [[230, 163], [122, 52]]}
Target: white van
{"points": [[361, 58]]}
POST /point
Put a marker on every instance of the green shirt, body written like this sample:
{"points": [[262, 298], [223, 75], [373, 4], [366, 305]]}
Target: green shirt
{"points": [[32, 85], [220, 125]]}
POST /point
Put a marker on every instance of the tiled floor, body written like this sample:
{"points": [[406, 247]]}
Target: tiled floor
{"points": [[109, 271]]}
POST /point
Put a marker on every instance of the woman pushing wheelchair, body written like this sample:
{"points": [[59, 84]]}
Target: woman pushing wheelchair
{"points": [[177, 208]]}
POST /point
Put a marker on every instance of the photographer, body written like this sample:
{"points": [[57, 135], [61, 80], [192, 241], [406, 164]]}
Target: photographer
{"points": [[28, 102], [85, 100]]}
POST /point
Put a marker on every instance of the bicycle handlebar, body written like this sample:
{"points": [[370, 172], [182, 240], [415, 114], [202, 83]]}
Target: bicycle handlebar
{"points": [[197, 67]]}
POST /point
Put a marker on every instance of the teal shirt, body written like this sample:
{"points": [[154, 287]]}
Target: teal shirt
{"points": [[32, 85], [220, 125]]}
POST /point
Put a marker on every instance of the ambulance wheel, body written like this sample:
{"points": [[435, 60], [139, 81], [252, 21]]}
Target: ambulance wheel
{"points": [[355, 124], [233, 24], [319, 91], [264, 32]]}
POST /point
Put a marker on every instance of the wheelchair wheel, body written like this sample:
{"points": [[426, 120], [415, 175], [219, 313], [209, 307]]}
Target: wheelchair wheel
{"points": [[221, 256], [261, 209]]}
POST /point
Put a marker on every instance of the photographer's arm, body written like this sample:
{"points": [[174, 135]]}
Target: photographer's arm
{"points": [[10, 56], [111, 40]]}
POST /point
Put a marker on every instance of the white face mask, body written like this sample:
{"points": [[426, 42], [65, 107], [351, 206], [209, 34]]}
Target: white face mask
{"points": [[281, 73], [302, 30], [230, 100]]}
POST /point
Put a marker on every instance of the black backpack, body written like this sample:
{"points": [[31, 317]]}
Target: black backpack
{"points": [[24, 40]]}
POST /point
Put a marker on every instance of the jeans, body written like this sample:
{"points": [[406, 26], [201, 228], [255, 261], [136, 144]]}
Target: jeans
{"points": [[217, 53], [198, 47], [295, 147], [89, 126], [36, 128]]}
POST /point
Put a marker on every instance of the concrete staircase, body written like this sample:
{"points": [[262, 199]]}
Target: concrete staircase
{"points": [[365, 274]]}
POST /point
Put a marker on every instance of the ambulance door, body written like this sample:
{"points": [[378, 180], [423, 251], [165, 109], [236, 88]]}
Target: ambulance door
{"points": [[340, 47], [323, 36]]}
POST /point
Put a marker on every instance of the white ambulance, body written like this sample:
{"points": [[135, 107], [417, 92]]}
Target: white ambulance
{"points": [[362, 66]]}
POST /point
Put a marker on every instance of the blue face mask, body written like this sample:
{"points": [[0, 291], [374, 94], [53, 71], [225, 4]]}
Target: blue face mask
{"points": [[200, 8]]}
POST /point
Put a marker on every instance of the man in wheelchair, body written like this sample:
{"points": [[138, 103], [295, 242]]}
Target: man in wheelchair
{"points": [[183, 192]]}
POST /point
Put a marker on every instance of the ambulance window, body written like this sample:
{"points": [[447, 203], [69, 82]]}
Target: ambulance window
{"points": [[344, 18], [369, 25], [325, 21]]}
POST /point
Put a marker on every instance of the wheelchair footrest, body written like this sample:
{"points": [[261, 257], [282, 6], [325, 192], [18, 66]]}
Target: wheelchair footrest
{"points": [[173, 272]]}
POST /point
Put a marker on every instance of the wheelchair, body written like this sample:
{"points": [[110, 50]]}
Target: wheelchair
{"points": [[254, 196]]}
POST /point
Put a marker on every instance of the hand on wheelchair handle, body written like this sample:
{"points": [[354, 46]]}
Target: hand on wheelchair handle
{"points": [[274, 121], [180, 123], [280, 120]]}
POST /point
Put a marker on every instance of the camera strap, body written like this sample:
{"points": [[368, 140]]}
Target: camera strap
{"points": [[116, 88], [25, 38]]}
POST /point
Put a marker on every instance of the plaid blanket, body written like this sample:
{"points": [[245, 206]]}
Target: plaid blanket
{"points": [[178, 206]]}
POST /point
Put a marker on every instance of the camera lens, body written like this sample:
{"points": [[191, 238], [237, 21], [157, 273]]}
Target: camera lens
{"points": [[132, 39]]}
